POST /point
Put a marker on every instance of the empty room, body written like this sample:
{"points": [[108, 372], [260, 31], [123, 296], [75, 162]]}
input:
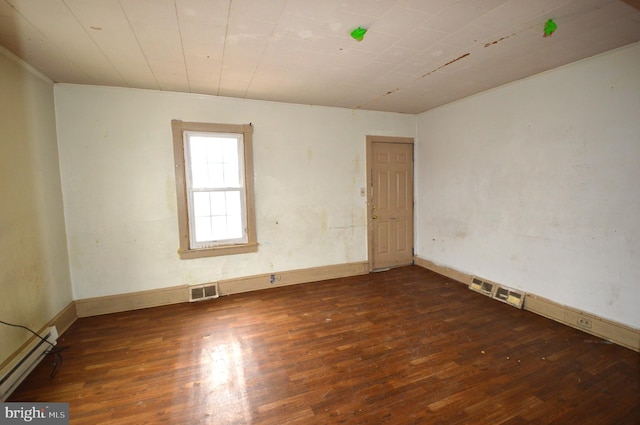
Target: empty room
{"points": [[320, 212]]}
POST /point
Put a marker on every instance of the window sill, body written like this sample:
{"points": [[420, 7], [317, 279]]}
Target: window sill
{"points": [[218, 251]]}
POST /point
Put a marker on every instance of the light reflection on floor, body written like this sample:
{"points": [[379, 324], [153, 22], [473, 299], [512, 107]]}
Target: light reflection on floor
{"points": [[221, 388]]}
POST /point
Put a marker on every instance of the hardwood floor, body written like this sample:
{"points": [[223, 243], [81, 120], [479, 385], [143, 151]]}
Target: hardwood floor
{"points": [[405, 346]]}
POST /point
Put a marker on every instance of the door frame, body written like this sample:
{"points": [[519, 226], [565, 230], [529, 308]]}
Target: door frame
{"points": [[370, 140]]}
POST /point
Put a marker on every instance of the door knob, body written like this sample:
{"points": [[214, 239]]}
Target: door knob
{"points": [[374, 217]]}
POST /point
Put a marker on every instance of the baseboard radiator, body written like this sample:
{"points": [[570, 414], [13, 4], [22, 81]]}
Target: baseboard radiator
{"points": [[17, 370]]}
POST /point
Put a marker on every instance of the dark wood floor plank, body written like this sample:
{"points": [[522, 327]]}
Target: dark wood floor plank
{"points": [[405, 346]]}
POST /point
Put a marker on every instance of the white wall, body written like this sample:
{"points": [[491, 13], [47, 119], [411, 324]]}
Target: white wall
{"points": [[536, 185], [118, 182], [34, 269]]}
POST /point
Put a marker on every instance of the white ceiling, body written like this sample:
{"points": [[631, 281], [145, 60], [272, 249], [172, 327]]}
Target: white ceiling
{"points": [[416, 55]]}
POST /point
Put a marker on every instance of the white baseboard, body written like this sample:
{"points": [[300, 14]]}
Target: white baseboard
{"points": [[618, 333]]}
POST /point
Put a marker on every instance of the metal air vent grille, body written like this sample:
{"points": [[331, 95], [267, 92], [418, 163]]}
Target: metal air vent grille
{"points": [[203, 292], [482, 286]]}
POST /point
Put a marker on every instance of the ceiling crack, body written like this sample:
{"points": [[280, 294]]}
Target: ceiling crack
{"points": [[442, 66], [224, 47]]}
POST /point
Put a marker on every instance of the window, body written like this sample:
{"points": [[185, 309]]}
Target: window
{"points": [[214, 186]]}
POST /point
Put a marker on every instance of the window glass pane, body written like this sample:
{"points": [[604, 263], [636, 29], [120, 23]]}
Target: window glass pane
{"points": [[203, 231], [214, 161], [219, 228], [231, 174], [231, 161], [234, 205], [216, 175], [201, 204], [199, 176], [199, 154], [234, 224], [214, 148], [218, 215], [218, 203], [198, 147], [229, 147]]}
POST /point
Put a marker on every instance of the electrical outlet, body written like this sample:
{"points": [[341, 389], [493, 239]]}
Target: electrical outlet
{"points": [[584, 322]]}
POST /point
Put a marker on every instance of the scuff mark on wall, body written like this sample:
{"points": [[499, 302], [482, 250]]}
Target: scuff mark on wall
{"points": [[614, 295], [323, 220], [356, 165], [349, 226]]}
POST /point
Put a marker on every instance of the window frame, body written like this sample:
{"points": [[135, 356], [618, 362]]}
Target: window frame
{"points": [[185, 251], [192, 190]]}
